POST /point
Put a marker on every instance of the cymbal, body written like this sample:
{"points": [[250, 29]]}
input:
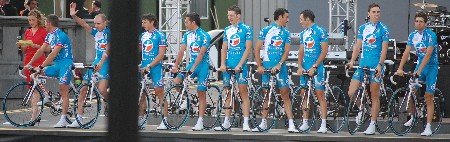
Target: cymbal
{"points": [[426, 5]]}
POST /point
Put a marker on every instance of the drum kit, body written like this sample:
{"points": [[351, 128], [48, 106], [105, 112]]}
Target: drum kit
{"points": [[439, 22]]}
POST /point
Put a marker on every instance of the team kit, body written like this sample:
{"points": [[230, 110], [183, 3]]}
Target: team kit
{"points": [[273, 40]]}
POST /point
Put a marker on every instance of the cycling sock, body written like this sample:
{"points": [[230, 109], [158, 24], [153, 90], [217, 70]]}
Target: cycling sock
{"points": [[246, 120], [291, 122], [372, 122]]}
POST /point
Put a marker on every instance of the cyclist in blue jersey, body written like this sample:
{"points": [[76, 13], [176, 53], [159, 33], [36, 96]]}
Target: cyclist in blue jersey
{"points": [[275, 41], [236, 47], [101, 34], [373, 37], [58, 43], [424, 40], [152, 58], [312, 52], [197, 40]]}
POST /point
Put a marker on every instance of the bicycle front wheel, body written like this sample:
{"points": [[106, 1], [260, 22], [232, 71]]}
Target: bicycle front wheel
{"points": [[399, 112], [18, 106], [178, 104], [212, 113], [337, 103], [263, 108], [356, 111], [90, 106]]}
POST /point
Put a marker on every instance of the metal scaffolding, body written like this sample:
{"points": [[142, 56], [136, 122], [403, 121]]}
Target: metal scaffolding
{"points": [[340, 11], [171, 14]]}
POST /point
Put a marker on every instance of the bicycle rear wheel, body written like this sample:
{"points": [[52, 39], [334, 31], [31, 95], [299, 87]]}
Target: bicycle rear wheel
{"points": [[260, 102], [399, 112], [91, 106], [144, 105], [17, 109], [212, 113], [337, 103], [382, 124], [356, 114], [224, 102], [307, 104], [178, 107], [438, 102]]}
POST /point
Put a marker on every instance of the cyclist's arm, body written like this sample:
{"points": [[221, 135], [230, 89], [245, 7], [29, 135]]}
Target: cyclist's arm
{"points": [[223, 53], [426, 58], [356, 50], [383, 53], [404, 57], [159, 57], [38, 53], [52, 55], [180, 55], [248, 49], [82, 23], [258, 46], [323, 54], [301, 54], [287, 48], [199, 57]]}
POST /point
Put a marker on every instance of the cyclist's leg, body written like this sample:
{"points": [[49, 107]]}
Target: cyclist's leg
{"points": [[283, 84], [303, 83], [65, 75], [103, 84], [355, 82], [431, 79], [157, 76], [243, 92], [320, 92], [375, 95], [265, 82], [226, 82], [83, 91], [202, 73]]}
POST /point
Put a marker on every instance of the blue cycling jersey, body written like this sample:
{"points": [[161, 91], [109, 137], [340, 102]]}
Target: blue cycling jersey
{"points": [[149, 40], [59, 38], [236, 37], [101, 41], [275, 38], [194, 41], [372, 36], [421, 41], [311, 39]]}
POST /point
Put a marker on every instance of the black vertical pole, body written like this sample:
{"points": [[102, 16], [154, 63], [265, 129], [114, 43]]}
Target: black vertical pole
{"points": [[122, 119]]}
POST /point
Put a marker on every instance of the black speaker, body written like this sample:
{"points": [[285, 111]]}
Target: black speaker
{"points": [[441, 84]]}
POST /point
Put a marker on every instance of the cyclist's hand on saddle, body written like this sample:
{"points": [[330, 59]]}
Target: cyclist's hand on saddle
{"points": [[222, 68], [378, 69], [417, 73], [260, 70], [349, 65], [276, 68], [174, 70], [98, 67], [300, 71], [400, 72], [237, 69], [311, 71]]}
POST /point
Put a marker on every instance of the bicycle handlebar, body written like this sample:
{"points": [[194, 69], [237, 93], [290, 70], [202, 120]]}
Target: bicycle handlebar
{"points": [[20, 69], [412, 76]]}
